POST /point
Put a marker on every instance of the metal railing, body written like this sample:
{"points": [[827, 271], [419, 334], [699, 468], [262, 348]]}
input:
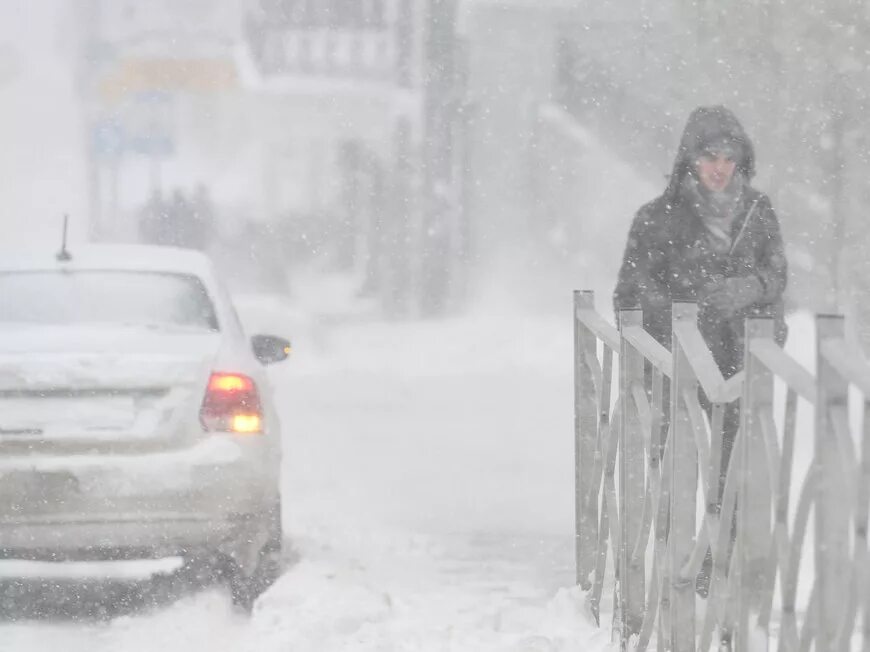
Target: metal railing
{"points": [[652, 502]]}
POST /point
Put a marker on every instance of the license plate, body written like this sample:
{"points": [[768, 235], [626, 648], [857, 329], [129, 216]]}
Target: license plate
{"points": [[30, 486], [57, 417]]}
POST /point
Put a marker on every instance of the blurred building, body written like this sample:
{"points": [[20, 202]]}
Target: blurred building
{"points": [[333, 125], [359, 116]]}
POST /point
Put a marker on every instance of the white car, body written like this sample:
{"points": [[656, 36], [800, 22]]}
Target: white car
{"points": [[136, 418]]}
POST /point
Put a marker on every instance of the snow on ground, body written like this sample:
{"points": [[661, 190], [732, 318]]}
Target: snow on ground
{"points": [[436, 464]]}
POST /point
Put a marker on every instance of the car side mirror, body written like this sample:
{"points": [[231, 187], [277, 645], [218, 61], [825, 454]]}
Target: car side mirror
{"points": [[269, 348]]}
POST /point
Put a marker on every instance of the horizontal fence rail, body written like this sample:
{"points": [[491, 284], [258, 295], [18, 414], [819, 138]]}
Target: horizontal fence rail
{"points": [[695, 494]]}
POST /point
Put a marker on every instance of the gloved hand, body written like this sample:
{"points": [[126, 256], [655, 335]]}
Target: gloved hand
{"points": [[728, 296]]}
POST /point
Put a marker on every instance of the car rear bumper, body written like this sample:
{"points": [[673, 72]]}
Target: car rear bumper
{"points": [[75, 538], [213, 478], [212, 497]]}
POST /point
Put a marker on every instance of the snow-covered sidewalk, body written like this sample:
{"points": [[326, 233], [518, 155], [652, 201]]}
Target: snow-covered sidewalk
{"points": [[432, 465]]}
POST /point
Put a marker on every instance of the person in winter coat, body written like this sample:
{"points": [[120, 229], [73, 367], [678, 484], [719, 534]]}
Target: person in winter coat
{"points": [[713, 239]]}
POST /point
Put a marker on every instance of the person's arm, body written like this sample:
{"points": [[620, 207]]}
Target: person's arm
{"points": [[772, 267], [765, 283], [639, 282]]}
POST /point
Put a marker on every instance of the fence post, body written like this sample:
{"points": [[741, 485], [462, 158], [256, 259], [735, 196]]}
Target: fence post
{"points": [[632, 465], [831, 512], [754, 500], [585, 444], [684, 486]]}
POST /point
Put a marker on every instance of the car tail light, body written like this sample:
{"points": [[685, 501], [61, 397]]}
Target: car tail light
{"points": [[231, 404]]}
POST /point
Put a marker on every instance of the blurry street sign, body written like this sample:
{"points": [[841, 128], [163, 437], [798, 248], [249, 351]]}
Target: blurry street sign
{"points": [[107, 138], [134, 76], [148, 124], [141, 125]]}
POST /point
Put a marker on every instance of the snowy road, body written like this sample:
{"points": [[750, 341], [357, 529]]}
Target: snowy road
{"points": [[428, 476]]}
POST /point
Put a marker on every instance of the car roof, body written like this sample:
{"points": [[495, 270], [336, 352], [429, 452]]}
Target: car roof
{"points": [[121, 257]]}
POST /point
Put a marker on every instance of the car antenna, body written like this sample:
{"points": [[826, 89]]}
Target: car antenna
{"points": [[63, 255]]}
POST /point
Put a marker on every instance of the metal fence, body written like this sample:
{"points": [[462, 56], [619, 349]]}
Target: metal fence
{"points": [[651, 505]]}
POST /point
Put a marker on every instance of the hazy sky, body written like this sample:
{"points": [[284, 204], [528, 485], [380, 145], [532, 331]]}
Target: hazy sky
{"points": [[42, 171]]}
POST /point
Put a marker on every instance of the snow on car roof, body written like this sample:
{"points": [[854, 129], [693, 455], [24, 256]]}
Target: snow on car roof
{"points": [[146, 258]]}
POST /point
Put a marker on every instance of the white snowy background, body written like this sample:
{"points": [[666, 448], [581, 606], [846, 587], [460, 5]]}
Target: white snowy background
{"points": [[428, 479]]}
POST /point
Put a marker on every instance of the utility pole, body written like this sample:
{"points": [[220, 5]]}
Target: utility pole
{"points": [[401, 208], [837, 182], [441, 208], [89, 59]]}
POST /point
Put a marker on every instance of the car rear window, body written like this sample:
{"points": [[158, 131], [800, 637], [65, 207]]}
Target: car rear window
{"points": [[127, 298]]}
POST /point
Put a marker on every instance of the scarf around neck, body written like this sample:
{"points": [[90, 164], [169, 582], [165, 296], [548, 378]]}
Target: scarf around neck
{"points": [[716, 210]]}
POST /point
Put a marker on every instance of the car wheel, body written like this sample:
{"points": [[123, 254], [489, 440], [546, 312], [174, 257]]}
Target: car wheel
{"points": [[10, 599], [246, 589], [241, 589]]}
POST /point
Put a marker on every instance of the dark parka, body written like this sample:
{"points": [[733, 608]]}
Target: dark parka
{"points": [[669, 258]]}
